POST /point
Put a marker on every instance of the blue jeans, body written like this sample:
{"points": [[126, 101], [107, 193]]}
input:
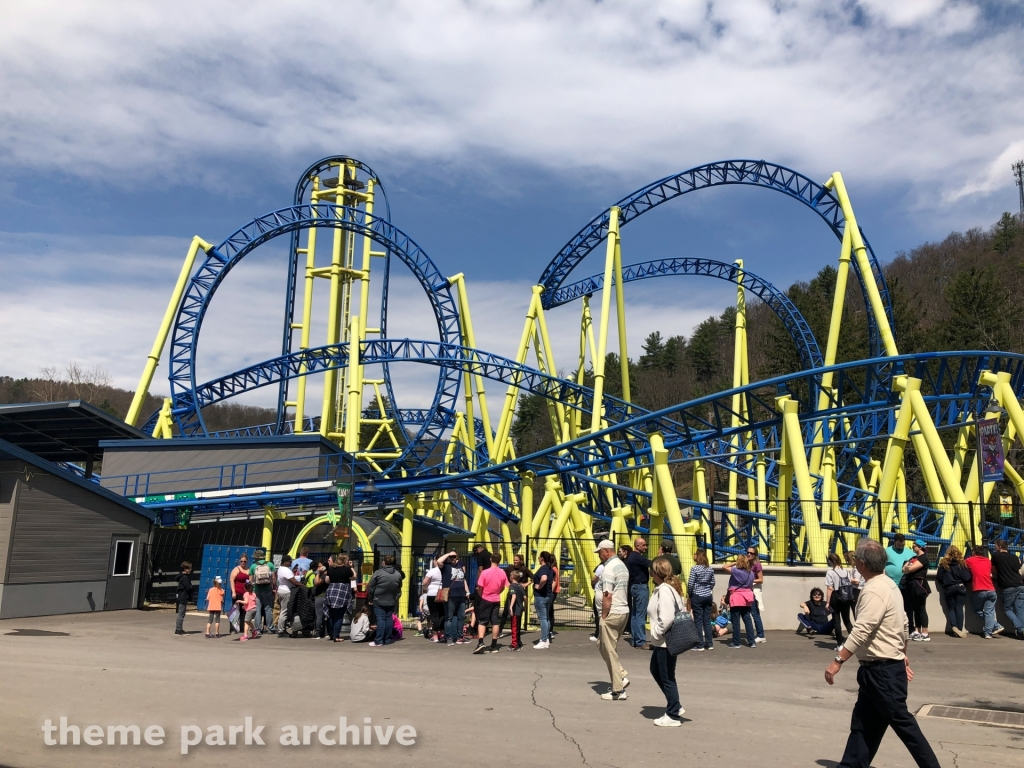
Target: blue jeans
{"points": [[454, 618], [822, 628], [984, 604], [755, 611], [1013, 605], [702, 618], [638, 615], [663, 670], [955, 609], [335, 618], [264, 606], [542, 604], [385, 623], [737, 612]]}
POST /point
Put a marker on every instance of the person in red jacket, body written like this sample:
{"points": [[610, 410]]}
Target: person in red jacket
{"points": [[983, 594]]}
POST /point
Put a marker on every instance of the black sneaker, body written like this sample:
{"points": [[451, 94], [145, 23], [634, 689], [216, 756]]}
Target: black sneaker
{"points": [[480, 648], [493, 649]]}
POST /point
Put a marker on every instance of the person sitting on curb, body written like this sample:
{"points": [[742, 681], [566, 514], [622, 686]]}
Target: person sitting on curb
{"points": [[814, 614]]}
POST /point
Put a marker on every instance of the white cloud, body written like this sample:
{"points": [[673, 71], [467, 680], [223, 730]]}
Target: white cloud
{"points": [[918, 92]]}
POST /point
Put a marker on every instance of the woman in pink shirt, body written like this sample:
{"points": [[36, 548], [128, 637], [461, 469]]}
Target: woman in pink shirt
{"points": [[983, 594]]}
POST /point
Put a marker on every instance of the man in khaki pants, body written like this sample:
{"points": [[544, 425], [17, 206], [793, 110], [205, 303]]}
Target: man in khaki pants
{"points": [[612, 590]]}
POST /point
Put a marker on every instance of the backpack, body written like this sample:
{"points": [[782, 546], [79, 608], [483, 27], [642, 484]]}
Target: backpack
{"points": [[263, 575], [845, 591]]}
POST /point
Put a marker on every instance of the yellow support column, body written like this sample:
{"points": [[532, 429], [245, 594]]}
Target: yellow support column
{"points": [[525, 510], [407, 521], [860, 253], [817, 546], [355, 389], [153, 359], [597, 417], [667, 491], [307, 315]]}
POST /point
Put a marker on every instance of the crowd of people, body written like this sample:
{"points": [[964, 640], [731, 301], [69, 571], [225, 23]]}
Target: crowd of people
{"points": [[319, 598], [881, 617]]}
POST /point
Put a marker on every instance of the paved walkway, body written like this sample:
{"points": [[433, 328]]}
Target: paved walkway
{"points": [[766, 707]]}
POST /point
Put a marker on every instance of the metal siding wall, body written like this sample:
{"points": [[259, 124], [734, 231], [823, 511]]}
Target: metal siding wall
{"points": [[62, 532], [9, 473], [296, 463]]}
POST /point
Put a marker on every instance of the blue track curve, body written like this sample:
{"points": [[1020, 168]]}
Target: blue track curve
{"points": [[792, 319], [222, 258], [757, 173]]}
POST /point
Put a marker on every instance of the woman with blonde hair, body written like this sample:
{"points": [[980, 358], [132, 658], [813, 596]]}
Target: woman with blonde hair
{"points": [[741, 595], [666, 601], [953, 576]]}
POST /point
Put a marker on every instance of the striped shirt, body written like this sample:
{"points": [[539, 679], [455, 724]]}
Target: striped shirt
{"points": [[701, 582]]}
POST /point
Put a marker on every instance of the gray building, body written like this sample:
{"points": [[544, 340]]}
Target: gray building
{"points": [[66, 544], [149, 467]]}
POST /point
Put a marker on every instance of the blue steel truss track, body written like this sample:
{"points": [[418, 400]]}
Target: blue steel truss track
{"points": [[796, 325], [757, 173], [949, 386], [222, 258]]}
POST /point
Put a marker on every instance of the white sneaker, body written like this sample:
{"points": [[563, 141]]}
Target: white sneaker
{"points": [[668, 722], [625, 683], [760, 639], [698, 649], [612, 696], [541, 645], [593, 638], [915, 635]]}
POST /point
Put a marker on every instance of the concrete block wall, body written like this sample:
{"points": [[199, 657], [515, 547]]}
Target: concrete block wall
{"points": [[785, 587]]}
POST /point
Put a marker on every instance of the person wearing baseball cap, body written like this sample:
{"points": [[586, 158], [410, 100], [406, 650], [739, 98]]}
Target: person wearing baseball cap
{"points": [[612, 596]]}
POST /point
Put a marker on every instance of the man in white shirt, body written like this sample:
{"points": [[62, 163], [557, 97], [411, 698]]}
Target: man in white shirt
{"points": [[613, 587], [286, 581]]}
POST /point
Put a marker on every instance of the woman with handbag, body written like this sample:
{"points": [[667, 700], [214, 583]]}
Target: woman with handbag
{"points": [[741, 595], [953, 576], [664, 604], [915, 572]]}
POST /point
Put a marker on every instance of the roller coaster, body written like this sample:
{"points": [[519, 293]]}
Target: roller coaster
{"points": [[814, 459]]}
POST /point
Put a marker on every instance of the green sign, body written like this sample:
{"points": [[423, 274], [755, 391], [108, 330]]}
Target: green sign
{"points": [[343, 519]]}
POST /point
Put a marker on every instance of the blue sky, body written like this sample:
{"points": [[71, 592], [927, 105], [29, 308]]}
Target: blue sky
{"points": [[499, 129]]}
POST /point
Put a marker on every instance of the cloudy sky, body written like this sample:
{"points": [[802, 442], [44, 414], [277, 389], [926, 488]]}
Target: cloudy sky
{"points": [[498, 128]]}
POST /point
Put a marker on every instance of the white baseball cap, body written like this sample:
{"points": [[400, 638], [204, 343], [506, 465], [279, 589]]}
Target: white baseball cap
{"points": [[605, 544], [217, 579]]}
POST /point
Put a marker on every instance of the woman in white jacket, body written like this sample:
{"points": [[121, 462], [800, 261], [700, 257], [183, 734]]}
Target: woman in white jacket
{"points": [[661, 612]]}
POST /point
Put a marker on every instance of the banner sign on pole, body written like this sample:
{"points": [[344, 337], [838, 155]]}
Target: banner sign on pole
{"points": [[343, 520], [991, 442]]}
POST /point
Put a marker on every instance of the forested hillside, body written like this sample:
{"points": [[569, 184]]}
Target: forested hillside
{"points": [[93, 386]]}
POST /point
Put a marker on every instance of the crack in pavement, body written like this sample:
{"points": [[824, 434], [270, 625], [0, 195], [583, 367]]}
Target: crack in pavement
{"points": [[956, 757], [566, 736]]}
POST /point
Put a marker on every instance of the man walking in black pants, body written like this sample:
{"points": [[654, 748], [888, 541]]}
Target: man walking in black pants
{"points": [[879, 640]]}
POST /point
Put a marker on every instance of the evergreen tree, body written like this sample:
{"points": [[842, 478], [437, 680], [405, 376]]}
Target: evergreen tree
{"points": [[1006, 232], [981, 313], [654, 350], [703, 350], [674, 356]]}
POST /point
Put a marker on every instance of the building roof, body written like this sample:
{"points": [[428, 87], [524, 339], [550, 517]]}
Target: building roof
{"points": [[66, 431], [12, 452], [199, 443]]}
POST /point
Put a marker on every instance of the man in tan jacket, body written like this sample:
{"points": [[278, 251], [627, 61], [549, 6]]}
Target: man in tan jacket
{"points": [[879, 641]]}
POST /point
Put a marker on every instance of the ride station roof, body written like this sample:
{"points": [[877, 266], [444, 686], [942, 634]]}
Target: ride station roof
{"points": [[68, 431]]}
